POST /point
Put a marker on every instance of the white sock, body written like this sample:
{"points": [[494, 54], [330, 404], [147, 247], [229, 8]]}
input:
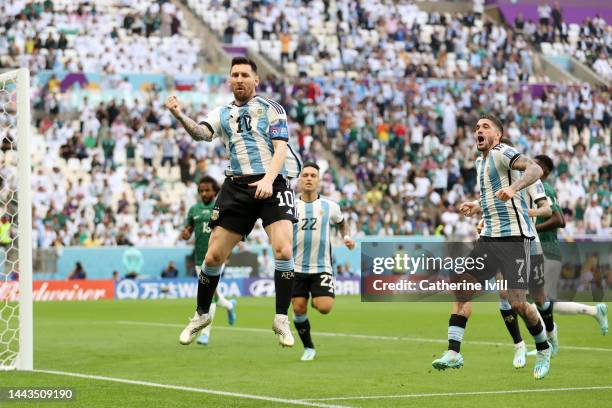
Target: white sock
{"points": [[223, 302], [573, 308], [211, 312]]}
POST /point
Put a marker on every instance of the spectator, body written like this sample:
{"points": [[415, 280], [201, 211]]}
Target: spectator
{"points": [[78, 272], [170, 271]]}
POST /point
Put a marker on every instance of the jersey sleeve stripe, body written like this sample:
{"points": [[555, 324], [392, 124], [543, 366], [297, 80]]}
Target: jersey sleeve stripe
{"points": [[513, 159], [276, 106], [208, 126]]}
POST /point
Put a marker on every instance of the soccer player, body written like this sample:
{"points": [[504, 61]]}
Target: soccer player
{"points": [[539, 206], [312, 251], [197, 221], [547, 231], [505, 240], [254, 130]]}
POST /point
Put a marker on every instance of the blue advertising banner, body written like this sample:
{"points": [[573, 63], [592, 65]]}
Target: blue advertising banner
{"points": [[188, 288], [171, 288]]}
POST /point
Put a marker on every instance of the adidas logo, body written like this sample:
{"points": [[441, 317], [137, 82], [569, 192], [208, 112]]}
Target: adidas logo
{"points": [[290, 211]]}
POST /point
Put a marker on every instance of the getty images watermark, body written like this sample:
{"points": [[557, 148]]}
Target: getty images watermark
{"points": [[404, 270]]}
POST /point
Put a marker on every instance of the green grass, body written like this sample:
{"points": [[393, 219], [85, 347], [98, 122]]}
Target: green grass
{"points": [[89, 338]]}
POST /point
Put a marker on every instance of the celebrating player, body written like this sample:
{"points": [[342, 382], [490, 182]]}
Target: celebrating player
{"points": [[504, 242], [197, 221], [255, 133], [538, 206], [312, 250]]}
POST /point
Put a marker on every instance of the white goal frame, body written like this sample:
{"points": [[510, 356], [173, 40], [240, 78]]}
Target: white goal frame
{"points": [[25, 356]]}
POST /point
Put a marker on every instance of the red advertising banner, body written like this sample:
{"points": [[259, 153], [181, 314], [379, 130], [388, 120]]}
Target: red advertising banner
{"points": [[61, 290]]}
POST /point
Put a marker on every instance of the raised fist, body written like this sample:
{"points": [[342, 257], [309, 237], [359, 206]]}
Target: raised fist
{"points": [[173, 104]]}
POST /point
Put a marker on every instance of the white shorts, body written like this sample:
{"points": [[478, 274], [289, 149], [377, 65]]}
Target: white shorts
{"points": [[552, 273]]}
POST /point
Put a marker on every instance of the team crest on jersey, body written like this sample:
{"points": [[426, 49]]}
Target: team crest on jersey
{"points": [[510, 153], [259, 111], [214, 215], [206, 213]]}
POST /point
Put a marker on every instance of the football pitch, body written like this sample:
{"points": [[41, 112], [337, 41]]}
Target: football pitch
{"points": [[126, 354]]}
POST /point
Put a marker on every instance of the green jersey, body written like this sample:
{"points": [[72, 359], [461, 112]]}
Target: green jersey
{"points": [[198, 217], [550, 243]]}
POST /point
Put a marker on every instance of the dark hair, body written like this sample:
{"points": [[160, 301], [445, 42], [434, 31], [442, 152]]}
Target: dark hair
{"points": [[498, 124], [244, 61], [546, 161], [211, 181], [311, 164], [506, 141]]}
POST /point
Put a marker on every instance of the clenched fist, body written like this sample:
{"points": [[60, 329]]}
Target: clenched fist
{"points": [[173, 104], [468, 208], [505, 193]]}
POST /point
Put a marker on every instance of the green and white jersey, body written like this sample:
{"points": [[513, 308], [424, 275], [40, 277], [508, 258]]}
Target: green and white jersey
{"points": [[549, 240], [198, 217], [535, 192]]}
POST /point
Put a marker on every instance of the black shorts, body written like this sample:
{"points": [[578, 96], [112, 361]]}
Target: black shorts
{"points": [[237, 209], [536, 275], [314, 284], [510, 255]]}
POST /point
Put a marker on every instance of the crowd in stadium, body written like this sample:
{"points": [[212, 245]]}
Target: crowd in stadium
{"points": [[371, 38], [400, 146], [103, 37], [590, 42]]}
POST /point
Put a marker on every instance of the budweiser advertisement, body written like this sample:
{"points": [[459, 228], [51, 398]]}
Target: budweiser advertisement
{"points": [[61, 290]]}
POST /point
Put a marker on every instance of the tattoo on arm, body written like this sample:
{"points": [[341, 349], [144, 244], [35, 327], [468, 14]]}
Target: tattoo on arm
{"points": [[197, 132], [531, 172], [543, 209]]}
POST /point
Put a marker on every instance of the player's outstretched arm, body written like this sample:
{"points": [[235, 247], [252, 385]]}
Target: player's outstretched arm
{"points": [[196, 131], [531, 173]]}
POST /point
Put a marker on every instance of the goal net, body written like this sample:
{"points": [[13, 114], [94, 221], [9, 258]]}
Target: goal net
{"points": [[16, 332]]}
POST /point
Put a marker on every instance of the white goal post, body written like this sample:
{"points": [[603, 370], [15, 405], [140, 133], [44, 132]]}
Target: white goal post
{"points": [[16, 310]]}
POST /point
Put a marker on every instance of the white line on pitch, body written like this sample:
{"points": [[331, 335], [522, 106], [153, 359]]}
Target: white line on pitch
{"points": [[190, 389], [454, 394], [360, 336]]}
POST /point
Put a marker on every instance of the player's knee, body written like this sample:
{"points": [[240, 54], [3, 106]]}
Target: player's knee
{"points": [[518, 306], [539, 299], [324, 309], [283, 252], [299, 308], [213, 259]]}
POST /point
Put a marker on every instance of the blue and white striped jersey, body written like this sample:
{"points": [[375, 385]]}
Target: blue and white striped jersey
{"points": [[535, 192], [502, 219], [311, 235], [247, 133]]}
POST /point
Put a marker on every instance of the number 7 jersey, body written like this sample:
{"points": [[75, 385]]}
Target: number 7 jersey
{"points": [[311, 235]]}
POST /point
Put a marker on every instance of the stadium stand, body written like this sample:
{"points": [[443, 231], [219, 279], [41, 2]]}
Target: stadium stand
{"points": [[398, 141]]}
